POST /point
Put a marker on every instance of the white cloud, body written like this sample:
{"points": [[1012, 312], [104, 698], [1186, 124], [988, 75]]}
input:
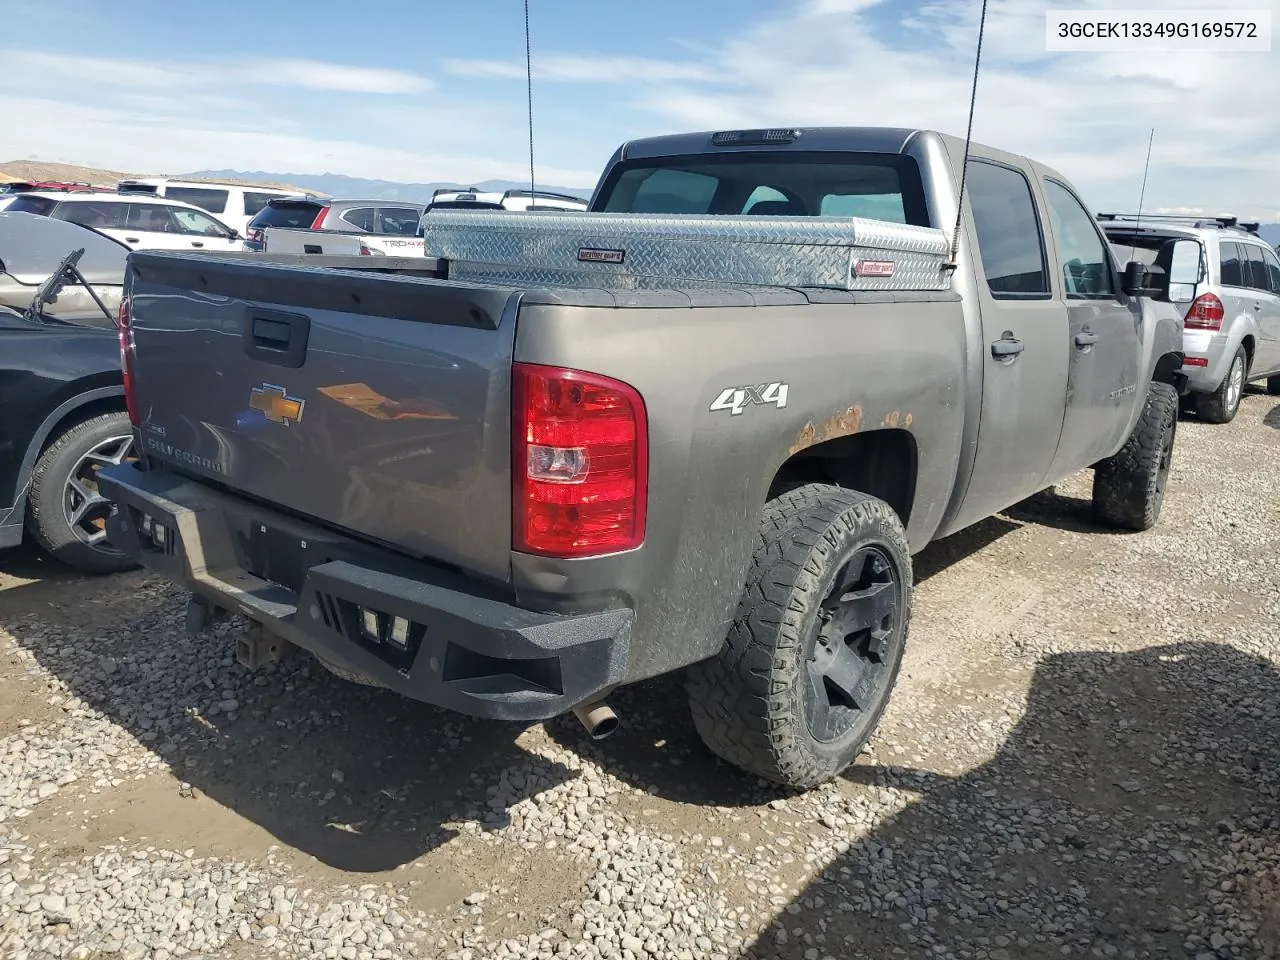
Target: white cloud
{"points": [[876, 62], [577, 69], [150, 142], [168, 75]]}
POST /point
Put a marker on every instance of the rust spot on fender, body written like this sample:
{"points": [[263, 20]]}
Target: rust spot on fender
{"points": [[842, 424]]}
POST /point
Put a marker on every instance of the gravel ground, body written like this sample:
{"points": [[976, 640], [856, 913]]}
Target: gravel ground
{"points": [[1081, 760]]}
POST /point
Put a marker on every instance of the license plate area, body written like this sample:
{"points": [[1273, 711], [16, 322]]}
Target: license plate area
{"points": [[274, 555]]}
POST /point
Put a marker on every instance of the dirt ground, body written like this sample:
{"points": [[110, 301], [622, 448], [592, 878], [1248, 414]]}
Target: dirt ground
{"points": [[1081, 759]]}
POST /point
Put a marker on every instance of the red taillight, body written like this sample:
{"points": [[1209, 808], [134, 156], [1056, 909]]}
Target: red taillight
{"points": [[1195, 361], [1206, 313], [580, 463], [318, 222], [125, 335]]}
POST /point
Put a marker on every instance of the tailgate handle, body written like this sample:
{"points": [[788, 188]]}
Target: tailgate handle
{"points": [[276, 338]]}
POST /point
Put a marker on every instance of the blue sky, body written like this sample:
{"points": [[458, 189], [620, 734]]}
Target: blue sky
{"points": [[411, 91]]}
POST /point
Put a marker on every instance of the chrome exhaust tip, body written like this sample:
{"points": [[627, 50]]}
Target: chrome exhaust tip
{"points": [[598, 719]]}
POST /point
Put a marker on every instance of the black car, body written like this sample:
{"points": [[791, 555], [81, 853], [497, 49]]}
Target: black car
{"points": [[62, 397]]}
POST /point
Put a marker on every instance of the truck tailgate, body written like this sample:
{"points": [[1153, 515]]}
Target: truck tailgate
{"points": [[377, 404]]}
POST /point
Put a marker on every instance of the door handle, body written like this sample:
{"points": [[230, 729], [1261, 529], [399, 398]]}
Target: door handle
{"points": [[1007, 347], [130, 239], [1257, 305], [1086, 338], [197, 243]]}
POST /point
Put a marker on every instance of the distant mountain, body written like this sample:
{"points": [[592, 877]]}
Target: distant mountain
{"points": [[339, 186]]}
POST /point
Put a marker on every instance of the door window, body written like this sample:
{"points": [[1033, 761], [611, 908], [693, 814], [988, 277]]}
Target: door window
{"points": [[254, 202], [99, 214], [1085, 261], [1272, 264], [399, 221], [1231, 267], [1255, 268], [1009, 238], [361, 218], [150, 217], [195, 223]]}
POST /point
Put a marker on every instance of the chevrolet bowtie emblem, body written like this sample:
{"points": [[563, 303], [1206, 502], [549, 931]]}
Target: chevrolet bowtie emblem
{"points": [[275, 404]]}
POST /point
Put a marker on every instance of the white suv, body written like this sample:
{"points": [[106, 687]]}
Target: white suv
{"points": [[143, 223], [234, 204]]}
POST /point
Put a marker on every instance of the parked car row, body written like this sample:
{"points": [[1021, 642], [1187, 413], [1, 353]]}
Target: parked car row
{"points": [[1232, 312], [378, 227]]}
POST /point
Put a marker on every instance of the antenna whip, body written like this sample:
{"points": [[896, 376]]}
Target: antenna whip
{"points": [[964, 168], [1142, 193], [528, 71]]}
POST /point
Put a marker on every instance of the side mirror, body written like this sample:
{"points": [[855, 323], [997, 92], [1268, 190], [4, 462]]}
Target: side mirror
{"points": [[1186, 269], [1141, 280], [235, 235]]}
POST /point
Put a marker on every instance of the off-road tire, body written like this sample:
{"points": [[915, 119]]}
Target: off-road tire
{"points": [[1129, 487], [748, 702], [1216, 407], [1273, 385], [46, 520]]}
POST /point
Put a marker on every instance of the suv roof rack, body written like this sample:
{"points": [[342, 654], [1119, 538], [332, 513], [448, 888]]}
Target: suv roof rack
{"points": [[1225, 223], [455, 190]]}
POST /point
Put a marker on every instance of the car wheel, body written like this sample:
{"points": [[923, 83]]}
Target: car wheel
{"points": [[1129, 487], [1221, 405], [66, 514], [814, 651]]}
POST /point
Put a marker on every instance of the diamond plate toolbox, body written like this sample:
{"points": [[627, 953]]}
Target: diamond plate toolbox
{"points": [[629, 251]]}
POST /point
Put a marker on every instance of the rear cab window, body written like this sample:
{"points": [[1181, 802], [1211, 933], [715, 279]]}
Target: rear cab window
{"points": [[293, 214], [794, 184], [206, 198]]}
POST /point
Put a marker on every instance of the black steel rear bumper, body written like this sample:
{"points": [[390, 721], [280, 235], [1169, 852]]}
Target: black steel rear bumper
{"points": [[458, 645]]}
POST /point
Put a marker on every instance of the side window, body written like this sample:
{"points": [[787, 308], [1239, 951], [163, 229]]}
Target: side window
{"points": [[1272, 264], [105, 215], [211, 199], [1231, 268], [194, 222], [151, 217], [665, 190], [361, 218], [399, 221], [254, 202], [41, 206], [1086, 261], [1255, 269], [1009, 238]]}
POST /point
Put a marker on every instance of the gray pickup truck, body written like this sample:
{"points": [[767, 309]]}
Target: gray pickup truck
{"points": [[705, 424]]}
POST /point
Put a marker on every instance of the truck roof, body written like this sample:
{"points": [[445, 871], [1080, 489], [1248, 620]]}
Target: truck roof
{"points": [[818, 139]]}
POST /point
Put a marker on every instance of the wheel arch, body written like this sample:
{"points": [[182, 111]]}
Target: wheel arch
{"points": [[73, 410], [880, 463]]}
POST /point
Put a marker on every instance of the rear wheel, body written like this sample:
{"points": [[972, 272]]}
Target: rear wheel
{"points": [[1221, 405], [1128, 488], [812, 657], [66, 514]]}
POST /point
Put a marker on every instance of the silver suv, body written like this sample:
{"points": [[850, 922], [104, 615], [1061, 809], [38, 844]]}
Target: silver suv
{"points": [[1231, 331]]}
